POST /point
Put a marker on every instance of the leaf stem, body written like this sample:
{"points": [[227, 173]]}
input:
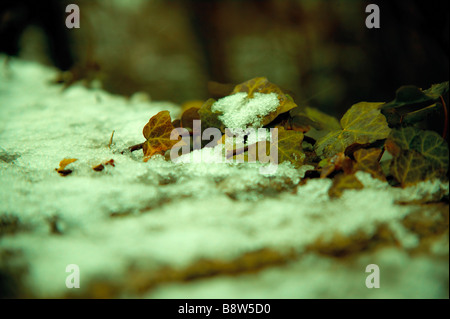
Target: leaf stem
{"points": [[111, 139], [134, 148]]}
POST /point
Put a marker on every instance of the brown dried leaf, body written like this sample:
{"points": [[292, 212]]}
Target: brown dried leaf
{"points": [[62, 165], [190, 104], [336, 163], [189, 116], [101, 167], [176, 123], [157, 132], [327, 170], [392, 147]]}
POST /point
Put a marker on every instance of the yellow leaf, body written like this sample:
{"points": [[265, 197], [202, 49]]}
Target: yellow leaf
{"points": [[290, 147]]}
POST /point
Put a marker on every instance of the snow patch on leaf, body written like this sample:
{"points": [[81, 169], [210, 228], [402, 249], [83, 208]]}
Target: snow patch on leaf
{"points": [[240, 111]]}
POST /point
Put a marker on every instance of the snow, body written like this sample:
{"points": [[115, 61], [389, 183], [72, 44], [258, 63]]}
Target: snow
{"points": [[239, 111], [318, 277], [160, 213]]}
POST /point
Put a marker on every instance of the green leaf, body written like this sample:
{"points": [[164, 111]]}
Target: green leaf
{"points": [[210, 118], [363, 123], [433, 147], [428, 143], [410, 99], [410, 94], [437, 90], [403, 137], [409, 168], [421, 114]]}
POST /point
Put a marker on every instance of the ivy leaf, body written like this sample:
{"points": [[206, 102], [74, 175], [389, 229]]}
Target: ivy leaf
{"points": [[421, 114], [336, 163], [62, 165], [436, 90], [428, 143], [262, 85], [403, 137], [308, 116], [191, 104], [363, 123], [409, 168], [290, 147], [410, 94], [157, 132], [287, 148], [367, 160], [365, 120], [409, 99], [210, 118], [331, 144], [176, 123], [392, 147], [189, 116], [219, 90], [342, 182], [433, 147], [418, 155], [407, 94]]}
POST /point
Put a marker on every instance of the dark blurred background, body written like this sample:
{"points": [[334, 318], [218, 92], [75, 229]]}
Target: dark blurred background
{"points": [[320, 50]]}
